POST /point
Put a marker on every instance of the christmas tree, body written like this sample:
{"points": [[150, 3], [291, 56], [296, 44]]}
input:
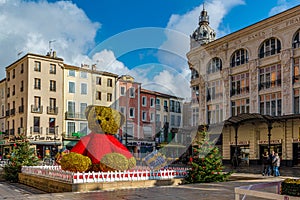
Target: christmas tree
{"points": [[207, 162], [21, 155]]}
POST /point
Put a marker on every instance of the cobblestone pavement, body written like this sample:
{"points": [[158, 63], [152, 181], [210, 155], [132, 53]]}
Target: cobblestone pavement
{"points": [[207, 191]]}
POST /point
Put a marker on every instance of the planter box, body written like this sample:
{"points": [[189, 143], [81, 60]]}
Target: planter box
{"points": [[291, 187]]}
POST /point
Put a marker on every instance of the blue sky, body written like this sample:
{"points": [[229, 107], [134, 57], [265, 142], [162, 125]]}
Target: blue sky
{"points": [[116, 36]]}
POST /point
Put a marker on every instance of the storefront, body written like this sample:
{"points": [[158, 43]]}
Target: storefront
{"points": [[46, 149], [296, 152], [243, 152], [275, 145]]}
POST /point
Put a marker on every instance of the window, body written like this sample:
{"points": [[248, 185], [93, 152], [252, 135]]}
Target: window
{"points": [[22, 86], [82, 110], [71, 87], [52, 125], [165, 118], [157, 117], [71, 109], [8, 92], [270, 77], [270, 104], [144, 101], [71, 128], [37, 101], [131, 112], [152, 117], [37, 66], [109, 97], [270, 47], [36, 124], [22, 68], [13, 73], [166, 108], [144, 116], [214, 90], [52, 102], [239, 57], [37, 83], [14, 90], [240, 106], [296, 40], [178, 120], [52, 85], [296, 77], [123, 110], [8, 76], [83, 88], [98, 95], [239, 84], [151, 102], [172, 120], [194, 74], [214, 113], [21, 122], [109, 82], [131, 92], [296, 101], [52, 69], [2, 110], [122, 92], [83, 128], [214, 65], [83, 74], [98, 81], [71, 72]]}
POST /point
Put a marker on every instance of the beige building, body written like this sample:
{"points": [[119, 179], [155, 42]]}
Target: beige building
{"points": [[253, 70], [84, 86], [34, 99], [3, 115]]}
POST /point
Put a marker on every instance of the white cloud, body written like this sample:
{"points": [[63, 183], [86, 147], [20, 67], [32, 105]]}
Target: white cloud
{"points": [[178, 42], [28, 26], [283, 5]]}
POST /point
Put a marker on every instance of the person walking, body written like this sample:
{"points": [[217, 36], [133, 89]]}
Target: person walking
{"points": [[276, 165], [265, 164]]}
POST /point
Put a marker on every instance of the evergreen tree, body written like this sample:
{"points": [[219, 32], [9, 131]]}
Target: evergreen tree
{"points": [[21, 155], [207, 163]]}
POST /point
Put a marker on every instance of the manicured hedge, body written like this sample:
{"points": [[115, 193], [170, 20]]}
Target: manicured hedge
{"points": [[290, 187]]}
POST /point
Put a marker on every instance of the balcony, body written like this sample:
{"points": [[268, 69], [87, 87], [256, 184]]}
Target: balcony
{"points": [[13, 111], [157, 107], [52, 110], [166, 108], [269, 84], [20, 130], [51, 130], [36, 109], [73, 115], [21, 109], [7, 113], [12, 131], [36, 129]]}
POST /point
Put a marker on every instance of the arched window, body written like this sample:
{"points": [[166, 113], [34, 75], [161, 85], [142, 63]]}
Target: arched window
{"points": [[239, 57], [270, 47], [296, 40], [194, 74], [214, 65]]}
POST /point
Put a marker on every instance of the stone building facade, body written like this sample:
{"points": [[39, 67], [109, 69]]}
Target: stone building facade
{"points": [[253, 70]]}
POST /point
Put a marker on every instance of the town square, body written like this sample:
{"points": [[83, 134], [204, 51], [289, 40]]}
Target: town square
{"points": [[155, 100]]}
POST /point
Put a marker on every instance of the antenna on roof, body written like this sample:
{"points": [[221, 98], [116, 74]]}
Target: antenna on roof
{"points": [[19, 53], [50, 49]]}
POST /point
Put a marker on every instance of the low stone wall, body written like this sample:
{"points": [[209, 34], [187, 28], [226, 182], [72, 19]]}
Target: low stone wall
{"points": [[54, 186]]}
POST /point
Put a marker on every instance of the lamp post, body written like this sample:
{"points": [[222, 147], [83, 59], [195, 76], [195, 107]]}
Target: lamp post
{"points": [[269, 136]]}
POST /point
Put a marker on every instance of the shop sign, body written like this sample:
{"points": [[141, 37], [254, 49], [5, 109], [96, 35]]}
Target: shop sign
{"points": [[271, 141], [240, 143]]}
